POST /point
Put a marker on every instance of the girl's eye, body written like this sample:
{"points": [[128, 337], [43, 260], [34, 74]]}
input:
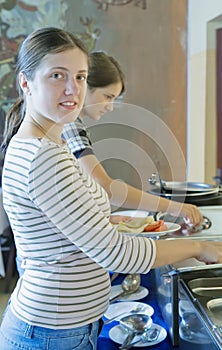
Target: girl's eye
{"points": [[81, 77], [109, 98], [57, 75]]}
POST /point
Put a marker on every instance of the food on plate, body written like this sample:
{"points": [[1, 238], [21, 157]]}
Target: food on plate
{"points": [[136, 225], [139, 225], [156, 226]]}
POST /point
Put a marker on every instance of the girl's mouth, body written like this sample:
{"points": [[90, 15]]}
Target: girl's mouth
{"points": [[69, 104]]}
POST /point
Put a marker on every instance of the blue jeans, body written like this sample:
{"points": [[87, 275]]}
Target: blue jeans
{"points": [[16, 334]]}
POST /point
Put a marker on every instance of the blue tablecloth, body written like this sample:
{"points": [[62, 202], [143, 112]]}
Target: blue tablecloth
{"points": [[148, 281]]}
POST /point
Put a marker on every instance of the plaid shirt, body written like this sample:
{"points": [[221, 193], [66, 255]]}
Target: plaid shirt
{"points": [[78, 138]]}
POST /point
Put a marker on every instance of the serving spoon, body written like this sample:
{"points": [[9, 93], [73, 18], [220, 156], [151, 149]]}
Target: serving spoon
{"points": [[135, 324], [130, 284], [136, 309], [149, 336]]}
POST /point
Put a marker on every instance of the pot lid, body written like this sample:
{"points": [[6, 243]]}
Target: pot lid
{"points": [[187, 186], [182, 193]]}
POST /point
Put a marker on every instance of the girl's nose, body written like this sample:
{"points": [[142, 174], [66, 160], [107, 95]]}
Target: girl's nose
{"points": [[72, 87], [109, 107]]}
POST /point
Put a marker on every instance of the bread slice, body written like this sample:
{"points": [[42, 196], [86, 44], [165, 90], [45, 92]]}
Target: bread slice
{"points": [[136, 225]]}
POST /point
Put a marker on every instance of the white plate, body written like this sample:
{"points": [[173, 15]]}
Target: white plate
{"points": [[133, 213], [141, 293], [172, 227], [124, 307], [118, 335]]}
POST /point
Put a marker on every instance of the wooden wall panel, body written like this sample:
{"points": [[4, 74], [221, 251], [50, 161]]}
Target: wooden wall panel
{"points": [[219, 103], [151, 45]]}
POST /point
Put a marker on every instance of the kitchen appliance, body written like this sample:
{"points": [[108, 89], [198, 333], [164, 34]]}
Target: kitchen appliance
{"points": [[177, 297]]}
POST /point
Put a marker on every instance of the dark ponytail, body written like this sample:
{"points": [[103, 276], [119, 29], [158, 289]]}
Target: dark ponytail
{"points": [[13, 121]]}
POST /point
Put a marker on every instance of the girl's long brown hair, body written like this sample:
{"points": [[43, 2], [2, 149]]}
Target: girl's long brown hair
{"points": [[104, 70]]}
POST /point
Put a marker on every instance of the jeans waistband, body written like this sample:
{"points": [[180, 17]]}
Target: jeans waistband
{"points": [[30, 329]]}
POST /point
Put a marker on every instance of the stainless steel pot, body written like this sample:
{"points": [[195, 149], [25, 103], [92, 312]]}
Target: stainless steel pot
{"points": [[181, 191], [182, 194], [189, 187], [181, 187]]}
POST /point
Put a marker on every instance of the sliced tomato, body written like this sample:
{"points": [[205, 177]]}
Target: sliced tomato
{"points": [[154, 226], [163, 227]]}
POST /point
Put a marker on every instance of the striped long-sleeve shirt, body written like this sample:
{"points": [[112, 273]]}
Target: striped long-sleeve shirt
{"points": [[60, 220]]}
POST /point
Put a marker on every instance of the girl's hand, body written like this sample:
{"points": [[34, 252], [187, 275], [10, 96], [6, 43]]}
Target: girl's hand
{"points": [[189, 211], [210, 252]]}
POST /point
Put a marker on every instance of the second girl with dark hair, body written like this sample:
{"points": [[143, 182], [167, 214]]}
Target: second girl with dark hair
{"points": [[106, 82]]}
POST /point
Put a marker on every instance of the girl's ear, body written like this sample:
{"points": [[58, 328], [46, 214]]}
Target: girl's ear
{"points": [[24, 84]]}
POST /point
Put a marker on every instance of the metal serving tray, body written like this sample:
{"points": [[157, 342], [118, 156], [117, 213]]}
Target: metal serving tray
{"points": [[169, 277], [207, 287], [214, 310], [206, 295]]}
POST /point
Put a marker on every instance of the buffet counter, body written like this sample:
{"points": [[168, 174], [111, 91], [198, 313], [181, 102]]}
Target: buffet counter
{"points": [[174, 308], [149, 281]]}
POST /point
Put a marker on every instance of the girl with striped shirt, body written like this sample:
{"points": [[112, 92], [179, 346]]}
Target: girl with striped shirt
{"points": [[59, 215]]}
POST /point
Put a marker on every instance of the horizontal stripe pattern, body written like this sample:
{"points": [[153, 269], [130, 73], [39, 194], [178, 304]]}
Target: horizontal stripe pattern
{"points": [[60, 220]]}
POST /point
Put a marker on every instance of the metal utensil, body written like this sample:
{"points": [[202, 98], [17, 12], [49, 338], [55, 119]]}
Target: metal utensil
{"points": [[130, 284], [186, 226], [148, 336], [156, 177], [136, 309], [114, 276], [127, 342], [136, 324], [205, 225]]}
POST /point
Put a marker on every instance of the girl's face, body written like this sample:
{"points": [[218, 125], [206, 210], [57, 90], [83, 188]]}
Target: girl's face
{"points": [[58, 89], [100, 100]]}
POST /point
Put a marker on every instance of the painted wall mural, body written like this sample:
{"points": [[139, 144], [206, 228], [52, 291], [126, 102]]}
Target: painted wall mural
{"points": [[18, 18], [91, 33], [104, 4]]}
